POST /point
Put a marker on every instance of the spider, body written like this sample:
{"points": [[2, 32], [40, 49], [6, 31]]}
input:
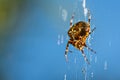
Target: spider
{"points": [[78, 34]]}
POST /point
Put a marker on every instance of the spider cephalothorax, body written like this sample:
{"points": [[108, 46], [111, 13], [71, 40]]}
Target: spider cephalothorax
{"points": [[78, 34]]}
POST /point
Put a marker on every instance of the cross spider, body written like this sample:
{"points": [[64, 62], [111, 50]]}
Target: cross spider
{"points": [[78, 34]]}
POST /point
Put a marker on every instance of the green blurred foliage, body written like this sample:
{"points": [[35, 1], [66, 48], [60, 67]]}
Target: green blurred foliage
{"points": [[8, 15], [9, 12]]}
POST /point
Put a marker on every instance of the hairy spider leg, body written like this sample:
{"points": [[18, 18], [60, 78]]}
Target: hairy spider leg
{"points": [[71, 20], [85, 58], [92, 30], [67, 49], [90, 49], [89, 16], [81, 48]]}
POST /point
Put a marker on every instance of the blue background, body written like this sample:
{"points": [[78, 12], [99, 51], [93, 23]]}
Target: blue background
{"points": [[32, 52]]}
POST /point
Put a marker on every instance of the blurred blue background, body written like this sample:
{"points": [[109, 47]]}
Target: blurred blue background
{"points": [[33, 40]]}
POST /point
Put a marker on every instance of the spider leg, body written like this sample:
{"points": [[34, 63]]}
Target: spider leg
{"points": [[71, 20], [83, 54], [92, 30], [90, 49], [67, 49], [89, 16]]}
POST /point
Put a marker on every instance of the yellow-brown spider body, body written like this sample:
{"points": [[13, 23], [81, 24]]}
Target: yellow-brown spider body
{"points": [[78, 34]]}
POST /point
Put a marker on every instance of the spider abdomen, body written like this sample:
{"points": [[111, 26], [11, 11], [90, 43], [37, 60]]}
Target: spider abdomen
{"points": [[80, 29]]}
